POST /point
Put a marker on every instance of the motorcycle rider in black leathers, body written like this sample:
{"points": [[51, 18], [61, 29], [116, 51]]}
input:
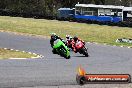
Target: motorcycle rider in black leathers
{"points": [[54, 37]]}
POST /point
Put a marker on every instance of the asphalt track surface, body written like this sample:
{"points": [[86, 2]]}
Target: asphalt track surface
{"points": [[55, 71]]}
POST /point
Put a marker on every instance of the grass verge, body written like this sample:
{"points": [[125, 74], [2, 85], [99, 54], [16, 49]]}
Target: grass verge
{"points": [[5, 54], [88, 32]]}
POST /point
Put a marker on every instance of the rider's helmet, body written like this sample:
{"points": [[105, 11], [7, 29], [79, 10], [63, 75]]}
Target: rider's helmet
{"points": [[53, 36], [75, 38], [68, 37]]}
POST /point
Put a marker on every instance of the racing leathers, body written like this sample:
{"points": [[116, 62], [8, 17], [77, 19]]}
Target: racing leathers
{"points": [[69, 42], [54, 38]]}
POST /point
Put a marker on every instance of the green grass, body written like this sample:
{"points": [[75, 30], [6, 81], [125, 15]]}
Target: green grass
{"points": [[88, 32], [5, 54]]}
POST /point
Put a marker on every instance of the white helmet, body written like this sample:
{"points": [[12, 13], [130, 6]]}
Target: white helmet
{"points": [[67, 36]]}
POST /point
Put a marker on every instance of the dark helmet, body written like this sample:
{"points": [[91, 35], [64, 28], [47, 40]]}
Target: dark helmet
{"points": [[75, 38]]}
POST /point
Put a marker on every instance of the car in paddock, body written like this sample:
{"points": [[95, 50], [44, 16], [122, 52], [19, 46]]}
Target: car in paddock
{"points": [[101, 14]]}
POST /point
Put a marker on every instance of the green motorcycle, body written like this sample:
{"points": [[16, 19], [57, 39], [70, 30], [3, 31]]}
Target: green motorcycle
{"points": [[61, 49]]}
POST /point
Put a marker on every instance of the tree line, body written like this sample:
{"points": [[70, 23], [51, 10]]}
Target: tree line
{"points": [[48, 8]]}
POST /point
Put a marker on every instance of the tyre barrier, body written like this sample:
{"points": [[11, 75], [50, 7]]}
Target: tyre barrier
{"points": [[124, 40]]}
